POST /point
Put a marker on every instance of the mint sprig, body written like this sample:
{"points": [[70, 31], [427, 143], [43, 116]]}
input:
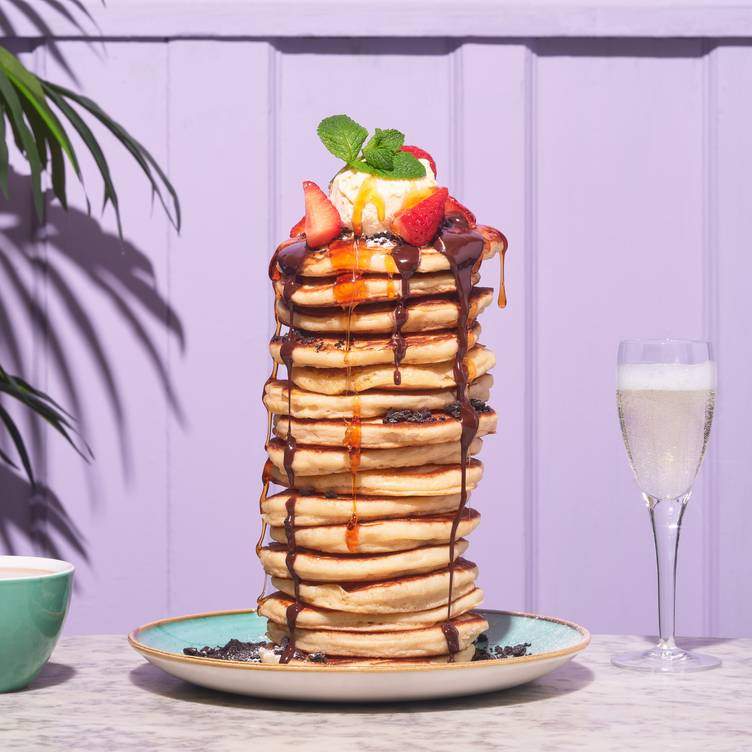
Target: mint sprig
{"points": [[381, 156]]}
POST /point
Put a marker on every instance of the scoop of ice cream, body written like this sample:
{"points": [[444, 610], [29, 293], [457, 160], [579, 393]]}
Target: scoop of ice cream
{"points": [[367, 203]]}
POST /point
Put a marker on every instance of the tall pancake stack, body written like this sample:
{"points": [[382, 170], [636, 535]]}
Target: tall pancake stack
{"points": [[373, 434]]}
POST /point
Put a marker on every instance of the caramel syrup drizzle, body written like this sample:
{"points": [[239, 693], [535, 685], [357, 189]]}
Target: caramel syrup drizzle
{"points": [[502, 299], [353, 426]]}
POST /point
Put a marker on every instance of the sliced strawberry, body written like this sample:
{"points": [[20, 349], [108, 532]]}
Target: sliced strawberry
{"points": [[322, 220], [419, 224], [452, 206], [419, 153], [298, 228]]}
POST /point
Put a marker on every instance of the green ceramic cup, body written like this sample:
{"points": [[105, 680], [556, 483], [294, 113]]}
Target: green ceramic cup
{"points": [[33, 606]]}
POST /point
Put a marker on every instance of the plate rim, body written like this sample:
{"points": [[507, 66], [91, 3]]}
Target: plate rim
{"points": [[147, 651]]}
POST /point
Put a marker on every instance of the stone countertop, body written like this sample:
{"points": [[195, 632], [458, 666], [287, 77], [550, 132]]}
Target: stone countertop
{"points": [[98, 694]]}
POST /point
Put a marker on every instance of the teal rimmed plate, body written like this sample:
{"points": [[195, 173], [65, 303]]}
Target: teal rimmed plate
{"points": [[553, 643]]}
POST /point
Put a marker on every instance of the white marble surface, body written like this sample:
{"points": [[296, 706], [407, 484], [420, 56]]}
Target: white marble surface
{"points": [[98, 694]]}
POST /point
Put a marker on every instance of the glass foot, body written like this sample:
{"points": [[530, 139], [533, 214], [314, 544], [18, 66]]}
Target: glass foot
{"points": [[665, 661]]}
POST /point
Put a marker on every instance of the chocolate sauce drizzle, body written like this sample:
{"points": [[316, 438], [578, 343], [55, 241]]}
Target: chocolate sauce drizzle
{"points": [[406, 258], [287, 263], [264, 478], [292, 553], [463, 248]]}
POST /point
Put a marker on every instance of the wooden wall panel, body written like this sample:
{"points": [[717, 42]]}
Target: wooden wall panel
{"points": [[619, 244], [492, 176], [617, 168], [730, 73], [219, 157], [106, 301]]}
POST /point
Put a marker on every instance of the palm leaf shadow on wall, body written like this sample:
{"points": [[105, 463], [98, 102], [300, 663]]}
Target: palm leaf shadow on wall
{"points": [[74, 12], [56, 268], [118, 272]]}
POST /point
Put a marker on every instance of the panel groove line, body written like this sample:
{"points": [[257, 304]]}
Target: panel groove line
{"points": [[274, 75], [531, 361], [40, 363], [711, 539], [170, 364], [456, 119]]}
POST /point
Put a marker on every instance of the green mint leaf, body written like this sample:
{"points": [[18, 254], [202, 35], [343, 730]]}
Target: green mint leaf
{"points": [[404, 167], [390, 139], [342, 136], [378, 156], [382, 146]]}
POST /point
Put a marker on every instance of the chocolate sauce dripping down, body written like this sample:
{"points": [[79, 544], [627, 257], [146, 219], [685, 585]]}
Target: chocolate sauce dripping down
{"points": [[463, 248], [452, 637], [406, 258], [287, 262], [292, 553], [264, 479]]}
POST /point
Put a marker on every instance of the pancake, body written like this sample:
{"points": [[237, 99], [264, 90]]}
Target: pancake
{"points": [[380, 536], [422, 315], [345, 290], [440, 428], [427, 480], [423, 376], [376, 256], [333, 352], [394, 596], [323, 510], [314, 460], [464, 656], [310, 565], [406, 644], [274, 608], [370, 404]]}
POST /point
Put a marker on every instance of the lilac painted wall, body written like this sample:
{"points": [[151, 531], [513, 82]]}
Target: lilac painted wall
{"points": [[619, 170]]}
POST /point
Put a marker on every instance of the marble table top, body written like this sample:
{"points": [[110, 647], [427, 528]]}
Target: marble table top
{"points": [[98, 694]]}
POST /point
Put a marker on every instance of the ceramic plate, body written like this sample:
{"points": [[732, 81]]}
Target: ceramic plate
{"points": [[553, 643]]}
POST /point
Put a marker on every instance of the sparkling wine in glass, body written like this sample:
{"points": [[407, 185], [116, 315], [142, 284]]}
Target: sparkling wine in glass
{"points": [[666, 399]]}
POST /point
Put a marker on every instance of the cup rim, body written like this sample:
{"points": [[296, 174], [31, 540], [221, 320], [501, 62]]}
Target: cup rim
{"points": [[59, 567]]}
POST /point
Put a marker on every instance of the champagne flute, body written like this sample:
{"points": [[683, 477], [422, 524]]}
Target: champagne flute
{"points": [[666, 397]]}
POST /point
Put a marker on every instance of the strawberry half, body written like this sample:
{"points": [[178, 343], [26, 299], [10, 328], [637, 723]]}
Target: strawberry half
{"points": [[452, 206], [419, 153], [322, 221], [298, 228], [419, 224]]}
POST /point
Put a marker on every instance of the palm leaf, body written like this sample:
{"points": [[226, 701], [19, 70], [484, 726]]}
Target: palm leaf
{"points": [[3, 153], [24, 139], [18, 442], [57, 161], [34, 391], [39, 132], [139, 152], [31, 87], [89, 139], [44, 407]]}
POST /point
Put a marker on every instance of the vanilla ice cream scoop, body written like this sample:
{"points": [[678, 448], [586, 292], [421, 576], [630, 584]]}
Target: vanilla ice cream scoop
{"points": [[367, 203]]}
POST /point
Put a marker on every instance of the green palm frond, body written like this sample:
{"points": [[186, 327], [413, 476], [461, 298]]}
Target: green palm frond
{"points": [[44, 407], [36, 110]]}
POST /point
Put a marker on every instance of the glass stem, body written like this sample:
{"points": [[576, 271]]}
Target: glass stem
{"points": [[666, 518]]}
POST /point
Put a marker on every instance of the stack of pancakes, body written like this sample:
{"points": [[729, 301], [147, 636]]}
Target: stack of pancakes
{"points": [[368, 438]]}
